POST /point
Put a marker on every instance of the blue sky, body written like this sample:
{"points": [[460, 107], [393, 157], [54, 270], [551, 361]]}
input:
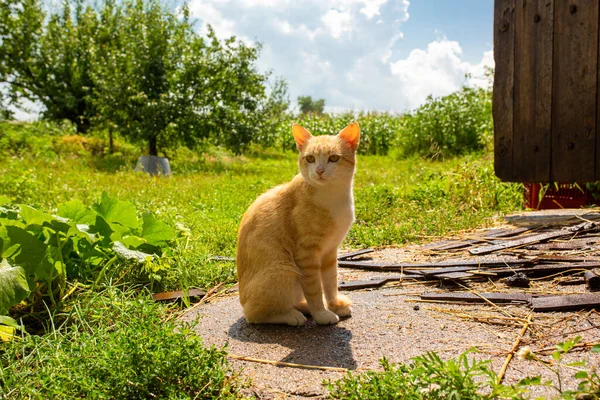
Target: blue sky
{"points": [[362, 54]]}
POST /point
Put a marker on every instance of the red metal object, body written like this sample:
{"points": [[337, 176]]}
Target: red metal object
{"points": [[568, 195]]}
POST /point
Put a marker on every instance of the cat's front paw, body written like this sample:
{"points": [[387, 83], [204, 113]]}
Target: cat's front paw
{"points": [[341, 306], [325, 317]]}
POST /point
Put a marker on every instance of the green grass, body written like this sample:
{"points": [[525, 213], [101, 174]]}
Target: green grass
{"points": [[397, 201], [113, 342], [114, 345], [424, 377]]}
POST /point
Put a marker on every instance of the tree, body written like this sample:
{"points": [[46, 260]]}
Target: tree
{"points": [[137, 67], [48, 63], [308, 105]]}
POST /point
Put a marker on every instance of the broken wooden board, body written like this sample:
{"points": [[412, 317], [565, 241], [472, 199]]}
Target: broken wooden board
{"points": [[533, 238], [548, 269], [178, 294], [376, 282], [453, 276], [478, 237], [566, 303], [470, 297], [573, 244], [353, 254], [553, 217], [441, 271], [471, 262]]}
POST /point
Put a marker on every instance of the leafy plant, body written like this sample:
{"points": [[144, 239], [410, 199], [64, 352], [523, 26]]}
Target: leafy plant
{"points": [[588, 386], [40, 251], [424, 377], [115, 344], [451, 125]]}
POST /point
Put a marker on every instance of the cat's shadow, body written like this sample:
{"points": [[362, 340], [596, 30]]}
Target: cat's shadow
{"points": [[311, 344]]}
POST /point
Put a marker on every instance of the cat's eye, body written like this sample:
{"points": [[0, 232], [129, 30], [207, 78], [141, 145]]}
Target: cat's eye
{"points": [[334, 158], [310, 159]]}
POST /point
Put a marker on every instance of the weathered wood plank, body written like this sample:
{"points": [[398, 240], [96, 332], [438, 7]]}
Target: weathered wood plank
{"points": [[575, 61], [376, 282], [474, 262], [478, 298], [566, 303], [532, 239], [353, 254], [532, 126], [548, 269], [502, 102]]}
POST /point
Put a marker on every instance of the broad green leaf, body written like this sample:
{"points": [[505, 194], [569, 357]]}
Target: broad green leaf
{"points": [[116, 211], [32, 254], [77, 212], [596, 348], [156, 232], [123, 252], [132, 241], [576, 364], [13, 286], [4, 200], [31, 216], [581, 375], [8, 321]]}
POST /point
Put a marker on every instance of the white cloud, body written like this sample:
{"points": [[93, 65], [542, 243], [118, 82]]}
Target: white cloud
{"points": [[371, 7], [337, 22], [438, 70]]}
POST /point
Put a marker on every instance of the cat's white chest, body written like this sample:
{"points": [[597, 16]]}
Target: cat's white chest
{"points": [[341, 210]]}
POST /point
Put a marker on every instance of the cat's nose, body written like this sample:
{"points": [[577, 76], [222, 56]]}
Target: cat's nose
{"points": [[320, 170]]}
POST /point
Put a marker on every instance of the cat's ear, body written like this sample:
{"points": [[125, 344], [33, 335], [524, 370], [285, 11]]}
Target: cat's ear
{"points": [[351, 135], [301, 135]]}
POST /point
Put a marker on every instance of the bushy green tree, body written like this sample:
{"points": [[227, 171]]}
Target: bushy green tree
{"points": [[308, 105], [49, 61], [139, 67]]}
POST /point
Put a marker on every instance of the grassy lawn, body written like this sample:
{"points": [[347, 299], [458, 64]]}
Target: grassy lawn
{"points": [[397, 201], [112, 341]]}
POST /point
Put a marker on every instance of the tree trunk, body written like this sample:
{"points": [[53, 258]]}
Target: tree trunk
{"points": [[152, 146], [111, 143]]}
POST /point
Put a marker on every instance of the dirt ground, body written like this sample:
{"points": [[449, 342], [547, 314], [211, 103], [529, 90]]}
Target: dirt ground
{"points": [[390, 322], [393, 322]]}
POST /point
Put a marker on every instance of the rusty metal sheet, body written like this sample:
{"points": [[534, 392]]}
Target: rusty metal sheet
{"points": [[474, 298], [178, 294], [566, 303], [533, 238]]}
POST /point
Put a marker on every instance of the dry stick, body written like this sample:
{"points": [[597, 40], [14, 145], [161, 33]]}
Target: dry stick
{"points": [[514, 348], [211, 293], [286, 364]]}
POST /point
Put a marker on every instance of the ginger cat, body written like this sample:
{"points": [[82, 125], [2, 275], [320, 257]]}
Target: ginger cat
{"points": [[288, 238]]}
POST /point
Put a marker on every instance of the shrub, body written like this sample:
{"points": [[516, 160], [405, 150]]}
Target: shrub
{"points": [[456, 124]]}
